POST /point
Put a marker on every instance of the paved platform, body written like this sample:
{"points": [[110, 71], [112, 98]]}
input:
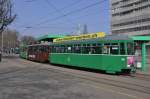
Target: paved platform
{"points": [[147, 72], [22, 79]]}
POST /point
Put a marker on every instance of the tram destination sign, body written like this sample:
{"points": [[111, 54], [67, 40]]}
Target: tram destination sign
{"points": [[81, 37]]}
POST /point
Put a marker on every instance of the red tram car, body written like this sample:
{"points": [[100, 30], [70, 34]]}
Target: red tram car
{"points": [[38, 52]]}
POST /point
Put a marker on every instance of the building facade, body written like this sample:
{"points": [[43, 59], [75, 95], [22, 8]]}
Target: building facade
{"points": [[130, 17]]}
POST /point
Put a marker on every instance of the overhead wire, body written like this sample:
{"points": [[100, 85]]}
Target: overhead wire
{"points": [[83, 16], [63, 8], [66, 14], [71, 12], [30, 0], [57, 10]]}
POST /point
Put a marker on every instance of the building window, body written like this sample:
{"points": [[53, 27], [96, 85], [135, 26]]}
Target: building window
{"points": [[131, 11], [132, 29], [132, 22]]}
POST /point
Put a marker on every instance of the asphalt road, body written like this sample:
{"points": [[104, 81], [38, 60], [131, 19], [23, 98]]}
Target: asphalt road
{"points": [[22, 79]]}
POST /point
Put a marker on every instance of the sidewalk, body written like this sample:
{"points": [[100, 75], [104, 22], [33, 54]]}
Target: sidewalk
{"points": [[7, 55], [147, 72]]}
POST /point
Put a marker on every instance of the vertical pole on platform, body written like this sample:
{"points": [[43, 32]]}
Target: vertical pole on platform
{"points": [[143, 57]]}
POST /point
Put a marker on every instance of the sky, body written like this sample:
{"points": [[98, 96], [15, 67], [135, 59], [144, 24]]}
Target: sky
{"points": [[60, 17]]}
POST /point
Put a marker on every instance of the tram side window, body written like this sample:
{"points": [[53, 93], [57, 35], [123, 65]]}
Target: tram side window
{"points": [[53, 49], [69, 49], [96, 49], [99, 49], [46, 48], [65, 49], [91, 49], [40, 49], [77, 49], [36, 48], [106, 49], [114, 49], [62, 49], [58, 49], [86, 48], [122, 48]]}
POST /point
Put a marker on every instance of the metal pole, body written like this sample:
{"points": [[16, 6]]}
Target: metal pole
{"points": [[143, 57]]}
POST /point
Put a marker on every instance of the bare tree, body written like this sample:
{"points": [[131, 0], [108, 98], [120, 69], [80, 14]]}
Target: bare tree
{"points": [[28, 40], [6, 16]]}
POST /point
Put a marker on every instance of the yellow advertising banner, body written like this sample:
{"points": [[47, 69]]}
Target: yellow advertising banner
{"points": [[81, 37]]}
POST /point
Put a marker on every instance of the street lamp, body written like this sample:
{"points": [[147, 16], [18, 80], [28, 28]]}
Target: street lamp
{"points": [[1, 48]]}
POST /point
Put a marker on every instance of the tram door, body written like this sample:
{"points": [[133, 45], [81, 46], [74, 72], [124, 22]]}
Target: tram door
{"points": [[138, 54], [142, 52]]}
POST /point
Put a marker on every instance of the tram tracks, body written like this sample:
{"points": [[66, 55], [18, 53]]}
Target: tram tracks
{"points": [[120, 84], [84, 77], [98, 80]]}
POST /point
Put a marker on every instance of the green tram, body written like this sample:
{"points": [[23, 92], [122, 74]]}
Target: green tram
{"points": [[23, 51], [111, 53]]}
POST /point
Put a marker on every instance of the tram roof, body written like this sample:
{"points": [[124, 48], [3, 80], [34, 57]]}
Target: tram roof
{"points": [[108, 38], [38, 44], [46, 37]]}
